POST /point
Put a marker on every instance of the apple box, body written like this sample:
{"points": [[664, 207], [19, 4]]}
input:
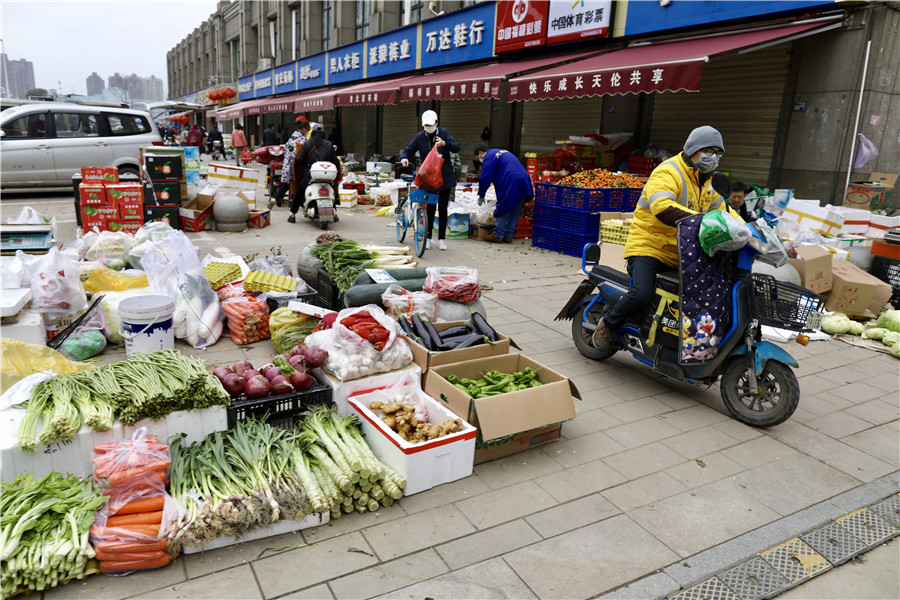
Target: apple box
{"points": [[92, 194], [125, 193], [872, 194]]}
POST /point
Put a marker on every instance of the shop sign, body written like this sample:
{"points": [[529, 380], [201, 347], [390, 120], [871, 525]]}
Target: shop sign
{"points": [[285, 78], [311, 71], [580, 20], [364, 98], [462, 36], [320, 102], [625, 80], [262, 84], [345, 64], [457, 90], [245, 88], [192, 98], [391, 53], [521, 24], [276, 107]]}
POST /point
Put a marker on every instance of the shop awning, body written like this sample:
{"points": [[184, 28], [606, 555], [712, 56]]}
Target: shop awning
{"points": [[277, 104], [241, 108], [371, 93], [475, 83], [312, 101], [186, 113], [668, 66]]}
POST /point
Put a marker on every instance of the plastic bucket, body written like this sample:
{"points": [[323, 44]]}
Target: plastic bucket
{"points": [[147, 324]]}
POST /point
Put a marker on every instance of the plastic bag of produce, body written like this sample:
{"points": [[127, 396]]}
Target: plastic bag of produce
{"points": [[278, 264], [110, 305], [111, 249], [103, 279], [87, 341], [292, 335], [282, 317], [174, 270], [406, 390], [429, 176], [720, 230], [152, 232], [21, 359], [459, 284], [55, 282], [248, 318], [401, 302]]}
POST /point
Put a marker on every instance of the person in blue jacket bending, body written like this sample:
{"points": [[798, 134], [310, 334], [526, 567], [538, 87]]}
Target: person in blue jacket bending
{"points": [[511, 183], [430, 136]]}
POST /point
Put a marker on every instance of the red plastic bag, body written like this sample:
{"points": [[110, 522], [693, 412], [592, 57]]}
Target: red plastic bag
{"points": [[429, 175], [459, 284]]}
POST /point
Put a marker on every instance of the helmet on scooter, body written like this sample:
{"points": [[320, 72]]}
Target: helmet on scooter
{"points": [[316, 126]]}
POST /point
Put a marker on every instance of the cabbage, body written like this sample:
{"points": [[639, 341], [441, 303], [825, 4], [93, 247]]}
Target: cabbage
{"points": [[836, 323], [895, 349], [890, 338], [875, 333], [856, 328], [889, 319]]}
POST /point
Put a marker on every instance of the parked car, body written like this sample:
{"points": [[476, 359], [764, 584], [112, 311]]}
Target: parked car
{"points": [[44, 144]]}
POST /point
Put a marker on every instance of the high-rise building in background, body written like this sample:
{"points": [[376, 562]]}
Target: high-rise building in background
{"points": [[17, 77], [95, 85], [135, 87]]}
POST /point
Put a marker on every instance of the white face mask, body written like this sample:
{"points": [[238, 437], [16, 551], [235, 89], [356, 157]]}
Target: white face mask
{"points": [[430, 128], [707, 163]]}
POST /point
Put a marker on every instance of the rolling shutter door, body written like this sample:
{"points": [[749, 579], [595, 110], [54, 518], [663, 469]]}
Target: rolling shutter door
{"points": [[741, 96], [399, 125], [354, 129], [545, 121], [465, 120]]}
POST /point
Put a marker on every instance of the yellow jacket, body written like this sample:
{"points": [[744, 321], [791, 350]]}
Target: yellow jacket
{"points": [[671, 193]]}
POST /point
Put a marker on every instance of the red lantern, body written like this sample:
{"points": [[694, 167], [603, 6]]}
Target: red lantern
{"points": [[230, 93]]}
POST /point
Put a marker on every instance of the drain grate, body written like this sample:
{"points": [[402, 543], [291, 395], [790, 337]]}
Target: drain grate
{"points": [[711, 589], [867, 526], [754, 580], [889, 510], [833, 542], [796, 561]]}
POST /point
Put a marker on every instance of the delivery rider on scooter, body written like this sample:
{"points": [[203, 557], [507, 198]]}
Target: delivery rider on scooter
{"points": [[679, 187]]}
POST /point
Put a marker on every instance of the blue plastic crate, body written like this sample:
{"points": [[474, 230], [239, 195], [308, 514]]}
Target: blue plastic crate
{"points": [[546, 216], [615, 199], [631, 198], [544, 237], [573, 245], [578, 222], [546, 193], [583, 199]]}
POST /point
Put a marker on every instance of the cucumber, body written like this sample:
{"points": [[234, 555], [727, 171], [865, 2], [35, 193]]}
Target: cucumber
{"points": [[360, 295]]}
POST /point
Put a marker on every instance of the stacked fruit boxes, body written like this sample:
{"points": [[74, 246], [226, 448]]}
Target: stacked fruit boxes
{"points": [[166, 168], [107, 204]]}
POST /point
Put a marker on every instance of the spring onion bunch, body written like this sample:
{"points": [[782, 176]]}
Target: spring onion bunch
{"points": [[44, 528], [346, 259]]}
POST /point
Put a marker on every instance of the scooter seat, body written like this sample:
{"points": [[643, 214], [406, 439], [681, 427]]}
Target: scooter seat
{"points": [[669, 281]]}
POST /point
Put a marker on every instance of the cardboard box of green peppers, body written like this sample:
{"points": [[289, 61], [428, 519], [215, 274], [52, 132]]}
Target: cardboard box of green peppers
{"points": [[494, 383]]}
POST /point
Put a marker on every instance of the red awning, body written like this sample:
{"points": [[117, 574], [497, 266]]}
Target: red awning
{"points": [[321, 100], [476, 83], [241, 108], [279, 104], [371, 93], [669, 66]]}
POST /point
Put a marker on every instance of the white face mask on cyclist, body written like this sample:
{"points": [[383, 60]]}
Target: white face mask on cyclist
{"points": [[707, 163], [430, 128]]}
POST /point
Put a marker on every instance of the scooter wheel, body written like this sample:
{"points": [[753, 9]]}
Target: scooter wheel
{"points": [[323, 225], [777, 397], [582, 337]]}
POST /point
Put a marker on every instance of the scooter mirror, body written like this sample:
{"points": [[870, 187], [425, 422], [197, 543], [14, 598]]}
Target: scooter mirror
{"points": [[592, 253], [721, 184]]}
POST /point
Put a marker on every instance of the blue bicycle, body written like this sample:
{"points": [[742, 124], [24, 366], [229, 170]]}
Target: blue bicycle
{"points": [[412, 211]]}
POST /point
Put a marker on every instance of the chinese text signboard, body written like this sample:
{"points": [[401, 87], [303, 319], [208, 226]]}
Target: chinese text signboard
{"points": [[315, 102], [521, 24], [452, 90], [391, 53], [627, 80], [459, 37], [245, 88], [284, 78], [311, 71], [345, 64], [569, 21], [262, 84]]}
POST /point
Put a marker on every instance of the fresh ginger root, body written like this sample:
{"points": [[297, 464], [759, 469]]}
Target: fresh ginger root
{"points": [[400, 417]]}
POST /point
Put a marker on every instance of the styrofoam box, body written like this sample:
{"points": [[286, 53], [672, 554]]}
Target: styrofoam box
{"points": [[341, 390], [230, 176], [258, 533], [426, 464], [856, 220], [29, 327], [74, 456], [349, 198], [879, 225], [817, 218]]}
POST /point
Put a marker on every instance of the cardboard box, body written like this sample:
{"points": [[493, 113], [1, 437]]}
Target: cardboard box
{"points": [[192, 176], [99, 175], [511, 422], [191, 157], [168, 193], [873, 194], [259, 219], [92, 194], [818, 218], [164, 214], [129, 193], [855, 292], [479, 232], [248, 196], [426, 358], [131, 210], [457, 226], [613, 256], [126, 225], [814, 265], [425, 464], [196, 215], [879, 225], [341, 390], [164, 167], [231, 176], [105, 212]]}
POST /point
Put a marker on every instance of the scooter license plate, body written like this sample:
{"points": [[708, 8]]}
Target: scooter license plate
{"points": [[814, 321], [277, 172]]}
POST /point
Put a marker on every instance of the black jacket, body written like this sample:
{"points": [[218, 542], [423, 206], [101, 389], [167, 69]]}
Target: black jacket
{"points": [[314, 150], [423, 142], [270, 137]]}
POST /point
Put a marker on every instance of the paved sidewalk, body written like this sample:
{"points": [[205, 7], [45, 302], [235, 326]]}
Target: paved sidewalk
{"points": [[652, 488]]}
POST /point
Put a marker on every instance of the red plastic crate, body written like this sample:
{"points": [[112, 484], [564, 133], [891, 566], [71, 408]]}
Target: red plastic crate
{"points": [[523, 228], [642, 165]]}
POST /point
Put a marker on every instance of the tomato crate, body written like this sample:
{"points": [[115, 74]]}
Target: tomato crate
{"points": [[642, 165], [523, 228], [546, 193], [583, 199], [281, 411], [573, 245], [578, 223], [544, 237], [546, 216]]}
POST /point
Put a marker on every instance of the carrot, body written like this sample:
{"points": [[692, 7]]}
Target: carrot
{"points": [[149, 484], [122, 477], [146, 518], [129, 532], [129, 556], [116, 566], [140, 506], [111, 546]]}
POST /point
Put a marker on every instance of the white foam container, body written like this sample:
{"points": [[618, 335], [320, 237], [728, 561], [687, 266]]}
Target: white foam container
{"points": [[341, 390], [424, 465], [258, 533]]}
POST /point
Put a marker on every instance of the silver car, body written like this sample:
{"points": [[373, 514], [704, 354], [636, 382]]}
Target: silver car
{"points": [[44, 144]]}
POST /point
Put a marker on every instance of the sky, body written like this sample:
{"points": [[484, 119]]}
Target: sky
{"points": [[67, 40]]}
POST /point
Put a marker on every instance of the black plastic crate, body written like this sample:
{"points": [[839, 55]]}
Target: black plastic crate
{"points": [[887, 269], [276, 303], [280, 411], [782, 304], [328, 294]]}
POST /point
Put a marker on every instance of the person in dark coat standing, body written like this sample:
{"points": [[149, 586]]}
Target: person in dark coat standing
{"points": [[511, 183], [425, 140], [270, 136]]}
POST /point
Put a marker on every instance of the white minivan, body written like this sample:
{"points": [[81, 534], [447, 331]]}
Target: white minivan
{"points": [[44, 144]]}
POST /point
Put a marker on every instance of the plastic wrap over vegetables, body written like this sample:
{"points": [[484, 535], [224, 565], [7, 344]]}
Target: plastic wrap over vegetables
{"points": [[55, 282]]}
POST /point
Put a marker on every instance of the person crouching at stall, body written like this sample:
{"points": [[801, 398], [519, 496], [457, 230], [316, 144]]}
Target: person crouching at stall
{"points": [[511, 183]]}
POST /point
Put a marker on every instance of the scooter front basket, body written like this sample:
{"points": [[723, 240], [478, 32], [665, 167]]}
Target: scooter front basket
{"points": [[782, 304]]}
